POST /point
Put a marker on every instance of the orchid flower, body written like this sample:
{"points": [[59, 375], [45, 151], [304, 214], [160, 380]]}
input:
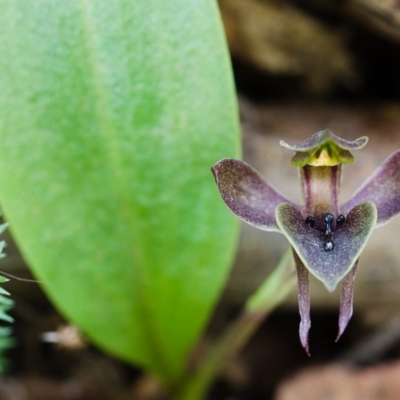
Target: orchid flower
{"points": [[326, 239]]}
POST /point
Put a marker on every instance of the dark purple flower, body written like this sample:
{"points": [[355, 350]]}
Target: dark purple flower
{"points": [[327, 239]]}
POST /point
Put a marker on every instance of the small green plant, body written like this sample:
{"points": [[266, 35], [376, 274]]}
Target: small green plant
{"points": [[6, 341]]}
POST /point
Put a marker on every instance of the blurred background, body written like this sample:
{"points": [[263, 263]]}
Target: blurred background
{"points": [[300, 66]]}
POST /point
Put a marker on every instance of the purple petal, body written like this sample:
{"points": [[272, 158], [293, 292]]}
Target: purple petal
{"points": [[346, 300], [330, 267], [321, 137], [303, 283], [382, 188], [247, 194]]}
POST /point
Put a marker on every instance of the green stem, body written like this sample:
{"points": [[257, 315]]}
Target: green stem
{"points": [[268, 296]]}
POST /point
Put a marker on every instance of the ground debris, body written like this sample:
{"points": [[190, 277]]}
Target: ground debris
{"points": [[337, 382]]}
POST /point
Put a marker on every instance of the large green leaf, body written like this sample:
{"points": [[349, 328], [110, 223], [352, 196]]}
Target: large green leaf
{"points": [[111, 114]]}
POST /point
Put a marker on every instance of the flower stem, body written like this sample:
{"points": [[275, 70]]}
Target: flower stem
{"points": [[259, 305]]}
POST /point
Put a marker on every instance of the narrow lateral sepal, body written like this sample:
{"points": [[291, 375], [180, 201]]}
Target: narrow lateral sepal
{"points": [[346, 300], [303, 283]]}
